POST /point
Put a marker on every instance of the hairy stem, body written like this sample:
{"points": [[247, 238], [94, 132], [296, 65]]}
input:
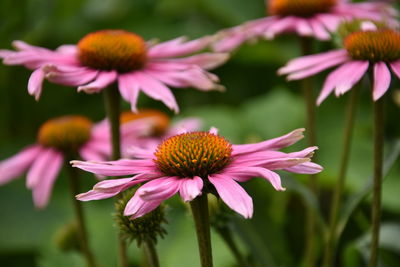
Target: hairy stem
{"points": [[151, 253], [377, 186], [112, 104], [309, 256], [332, 238], [74, 185], [202, 223]]}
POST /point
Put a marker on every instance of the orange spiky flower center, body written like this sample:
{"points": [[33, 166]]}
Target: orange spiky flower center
{"points": [[380, 45], [300, 8], [159, 121], [66, 133], [112, 50], [193, 154]]}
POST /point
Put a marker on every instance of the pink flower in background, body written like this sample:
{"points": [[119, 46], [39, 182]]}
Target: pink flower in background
{"points": [[43, 161], [104, 57], [311, 18], [370, 47], [193, 163]]}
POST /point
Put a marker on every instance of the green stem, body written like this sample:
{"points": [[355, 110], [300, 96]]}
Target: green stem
{"points": [[309, 257], [112, 104], [74, 185], [226, 234], [200, 215], [151, 253], [330, 246], [377, 187]]}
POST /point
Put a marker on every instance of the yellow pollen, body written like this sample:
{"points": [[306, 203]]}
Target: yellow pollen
{"points": [[66, 133], [160, 121], [112, 50], [300, 8], [380, 45], [193, 154]]}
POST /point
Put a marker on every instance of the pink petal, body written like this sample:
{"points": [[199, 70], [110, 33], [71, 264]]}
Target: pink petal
{"points": [[354, 72], [336, 76], [115, 168], [233, 195], [306, 62], [303, 27], [189, 124], [306, 168], [77, 77], [205, 60], [271, 144], [156, 90], [190, 188], [35, 83], [178, 47], [43, 186], [159, 189], [137, 207], [40, 166], [270, 176], [381, 80], [319, 30], [396, 68], [104, 79], [129, 89], [279, 26], [16, 165]]}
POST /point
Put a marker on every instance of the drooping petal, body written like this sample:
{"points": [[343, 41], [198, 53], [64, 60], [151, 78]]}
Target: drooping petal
{"points": [[115, 168], [137, 207], [159, 189], [396, 68], [156, 90], [103, 79], [41, 165], [205, 60], [73, 77], [306, 168], [381, 80], [233, 194], [270, 176], [355, 71], [16, 165], [190, 188], [271, 144], [43, 186], [178, 47], [129, 89], [35, 83]]}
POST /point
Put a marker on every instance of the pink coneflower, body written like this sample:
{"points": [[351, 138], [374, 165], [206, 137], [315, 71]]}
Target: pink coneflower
{"points": [[310, 18], [104, 57], [372, 47], [43, 161], [194, 163]]}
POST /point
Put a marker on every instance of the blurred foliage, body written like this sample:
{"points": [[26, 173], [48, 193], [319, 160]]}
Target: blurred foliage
{"points": [[257, 105]]}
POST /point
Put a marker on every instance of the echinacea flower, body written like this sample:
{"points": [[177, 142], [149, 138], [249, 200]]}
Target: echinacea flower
{"points": [[193, 163], [309, 18], [43, 161], [369, 47], [104, 57]]}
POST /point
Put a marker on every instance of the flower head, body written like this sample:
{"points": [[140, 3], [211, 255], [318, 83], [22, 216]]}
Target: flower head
{"points": [[372, 47], [312, 18], [194, 163], [43, 161], [104, 57]]}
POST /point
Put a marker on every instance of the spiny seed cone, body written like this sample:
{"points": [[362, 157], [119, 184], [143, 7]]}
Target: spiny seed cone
{"points": [[113, 50], [193, 154], [66, 133], [300, 8], [147, 227], [379, 45]]}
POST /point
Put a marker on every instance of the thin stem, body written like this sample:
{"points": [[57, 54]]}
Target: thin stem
{"points": [[74, 185], [151, 253], [200, 215], [310, 231], [226, 234], [112, 104], [330, 246], [377, 187]]}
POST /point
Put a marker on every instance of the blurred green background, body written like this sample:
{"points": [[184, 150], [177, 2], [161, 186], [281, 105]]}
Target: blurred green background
{"points": [[257, 105]]}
